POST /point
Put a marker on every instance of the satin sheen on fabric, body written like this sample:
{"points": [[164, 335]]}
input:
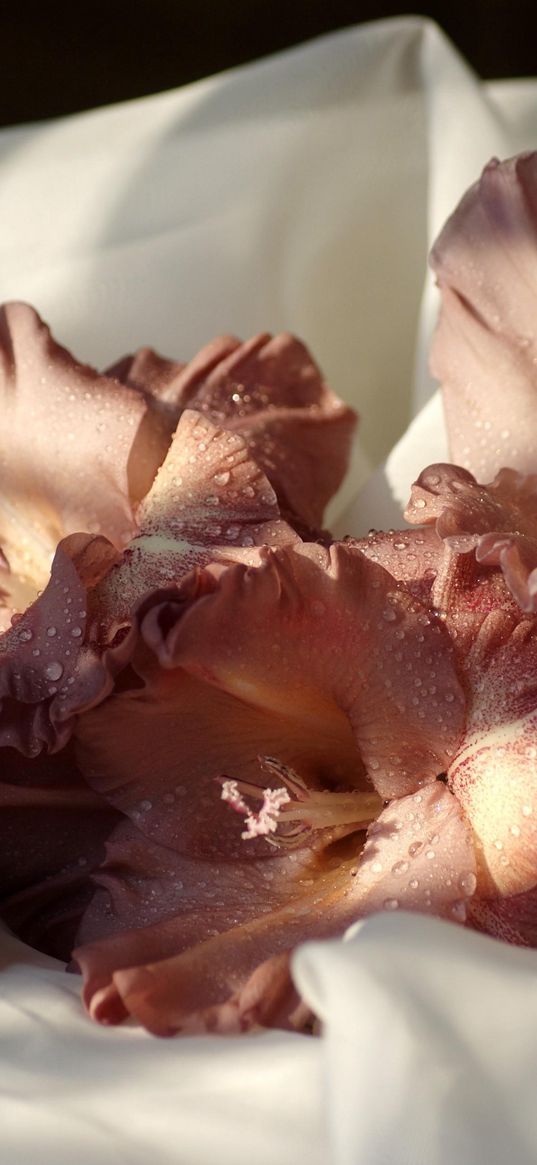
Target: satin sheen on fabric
{"points": [[301, 193]]}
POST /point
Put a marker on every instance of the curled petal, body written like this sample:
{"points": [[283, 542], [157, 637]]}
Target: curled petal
{"points": [[47, 673], [419, 856], [494, 771], [209, 503], [411, 556], [239, 976], [65, 444], [271, 391], [276, 647], [512, 919], [497, 520], [315, 657], [299, 432], [485, 347], [168, 384]]}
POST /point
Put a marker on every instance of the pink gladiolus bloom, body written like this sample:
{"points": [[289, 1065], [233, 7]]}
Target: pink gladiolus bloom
{"points": [[223, 733]]}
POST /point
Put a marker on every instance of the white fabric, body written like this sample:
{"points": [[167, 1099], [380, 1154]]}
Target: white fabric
{"points": [[299, 193]]}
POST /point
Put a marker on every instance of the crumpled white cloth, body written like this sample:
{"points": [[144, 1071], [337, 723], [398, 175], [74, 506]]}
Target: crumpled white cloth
{"points": [[301, 193]]}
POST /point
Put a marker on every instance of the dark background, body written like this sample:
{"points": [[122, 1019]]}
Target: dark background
{"points": [[60, 57]]}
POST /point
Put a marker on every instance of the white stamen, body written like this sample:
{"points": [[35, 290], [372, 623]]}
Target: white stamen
{"points": [[266, 820]]}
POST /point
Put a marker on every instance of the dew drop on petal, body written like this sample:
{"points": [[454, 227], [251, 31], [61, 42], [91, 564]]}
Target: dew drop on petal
{"points": [[391, 903], [468, 882], [54, 670]]}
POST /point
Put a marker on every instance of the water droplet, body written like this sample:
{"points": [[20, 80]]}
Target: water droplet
{"points": [[212, 500], [391, 903], [389, 614], [54, 670], [430, 854], [222, 478], [526, 810], [399, 868], [25, 635], [468, 882], [51, 631], [414, 883], [458, 910], [376, 867], [420, 503], [76, 632], [515, 830], [145, 806]]}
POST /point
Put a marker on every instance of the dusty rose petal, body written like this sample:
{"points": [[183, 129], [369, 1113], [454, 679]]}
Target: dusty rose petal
{"points": [[497, 520], [299, 432], [186, 991], [209, 502], [169, 382], [494, 774], [66, 440], [315, 622], [512, 919], [271, 391], [152, 900], [411, 556], [485, 348], [47, 672], [165, 386], [314, 658], [419, 858]]}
